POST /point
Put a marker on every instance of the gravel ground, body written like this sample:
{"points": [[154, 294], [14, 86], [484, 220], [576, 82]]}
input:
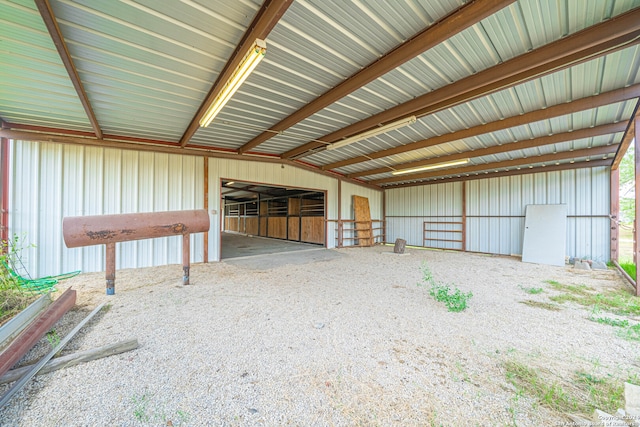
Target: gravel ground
{"points": [[347, 341]]}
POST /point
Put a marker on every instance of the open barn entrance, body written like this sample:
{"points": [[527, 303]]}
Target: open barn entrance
{"points": [[263, 219]]}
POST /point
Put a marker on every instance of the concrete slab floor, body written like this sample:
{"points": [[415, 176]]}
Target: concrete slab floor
{"points": [[239, 245]]}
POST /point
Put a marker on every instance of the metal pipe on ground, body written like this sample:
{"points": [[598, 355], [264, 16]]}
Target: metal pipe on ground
{"points": [[110, 229]]}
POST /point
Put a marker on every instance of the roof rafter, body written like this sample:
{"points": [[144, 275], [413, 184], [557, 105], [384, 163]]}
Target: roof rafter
{"points": [[628, 137], [580, 46], [462, 18], [564, 155], [503, 148], [266, 18], [581, 104], [58, 40], [527, 171]]}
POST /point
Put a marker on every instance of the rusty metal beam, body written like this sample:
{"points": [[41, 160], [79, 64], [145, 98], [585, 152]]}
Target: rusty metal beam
{"points": [[605, 98], [56, 35], [587, 152], [452, 24], [504, 148], [266, 18], [527, 171], [628, 137], [36, 330], [193, 151], [622, 30], [636, 221]]}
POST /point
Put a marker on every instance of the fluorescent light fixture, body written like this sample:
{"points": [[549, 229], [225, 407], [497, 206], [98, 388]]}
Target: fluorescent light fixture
{"points": [[373, 132], [230, 183], [250, 61], [429, 167]]}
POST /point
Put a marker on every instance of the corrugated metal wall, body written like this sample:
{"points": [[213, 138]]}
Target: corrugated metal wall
{"points": [[438, 205], [495, 210], [51, 181]]}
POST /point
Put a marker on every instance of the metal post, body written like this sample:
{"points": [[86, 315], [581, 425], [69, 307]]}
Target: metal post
{"points": [[464, 216], [111, 268], [615, 214], [185, 259], [636, 221]]}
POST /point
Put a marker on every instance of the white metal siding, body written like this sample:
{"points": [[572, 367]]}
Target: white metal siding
{"points": [[409, 207], [495, 210], [51, 181]]}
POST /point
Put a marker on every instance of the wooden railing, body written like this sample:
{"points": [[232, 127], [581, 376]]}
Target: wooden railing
{"points": [[358, 233]]}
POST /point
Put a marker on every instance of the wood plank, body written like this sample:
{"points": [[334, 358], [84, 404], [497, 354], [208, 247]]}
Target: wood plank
{"points": [[313, 229], [32, 334], [294, 206], [251, 225], [263, 226], [73, 359], [277, 227], [362, 216], [294, 229]]}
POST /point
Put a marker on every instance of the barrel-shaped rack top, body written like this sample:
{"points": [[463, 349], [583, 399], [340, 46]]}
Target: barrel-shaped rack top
{"points": [[102, 229]]}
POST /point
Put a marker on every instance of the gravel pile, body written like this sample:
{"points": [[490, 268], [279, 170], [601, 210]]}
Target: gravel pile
{"points": [[348, 341]]}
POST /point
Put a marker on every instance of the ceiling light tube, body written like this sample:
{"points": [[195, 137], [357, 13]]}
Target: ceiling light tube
{"points": [[429, 167], [250, 61], [373, 132]]}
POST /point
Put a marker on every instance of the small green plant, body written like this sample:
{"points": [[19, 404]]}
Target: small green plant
{"points": [[13, 298], [632, 333], [53, 338], [629, 267], [140, 407], [621, 323], [453, 298], [531, 290]]}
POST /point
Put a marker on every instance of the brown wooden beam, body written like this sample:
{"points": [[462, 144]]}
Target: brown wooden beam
{"points": [[586, 44], [628, 137], [56, 35], [452, 24], [525, 161], [605, 98], [62, 139], [527, 171], [36, 330], [504, 148], [266, 18]]}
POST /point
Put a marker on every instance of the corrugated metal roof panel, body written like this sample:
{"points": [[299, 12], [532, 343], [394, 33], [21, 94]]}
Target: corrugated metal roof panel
{"points": [[164, 54], [36, 89]]}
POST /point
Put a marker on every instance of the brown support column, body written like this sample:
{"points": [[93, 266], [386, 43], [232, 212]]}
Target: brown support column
{"points": [[4, 189], [206, 207], [340, 231], [111, 268], [614, 213], [636, 221], [464, 216], [185, 258]]}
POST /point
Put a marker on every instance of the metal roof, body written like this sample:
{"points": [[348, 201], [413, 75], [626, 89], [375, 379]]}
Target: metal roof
{"points": [[142, 71]]}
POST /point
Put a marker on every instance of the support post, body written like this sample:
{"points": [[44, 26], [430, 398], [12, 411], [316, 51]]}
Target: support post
{"points": [[636, 221], [464, 216], [614, 214], [185, 258], [111, 268], [4, 190]]}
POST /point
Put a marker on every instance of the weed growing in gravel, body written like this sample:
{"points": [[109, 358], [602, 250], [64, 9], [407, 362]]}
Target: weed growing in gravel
{"points": [[617, 301], [531, 290], [140, 407], [453, 298], [538, 304], [581, 393], [632, 333], [53, 338], [620, 323]]}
